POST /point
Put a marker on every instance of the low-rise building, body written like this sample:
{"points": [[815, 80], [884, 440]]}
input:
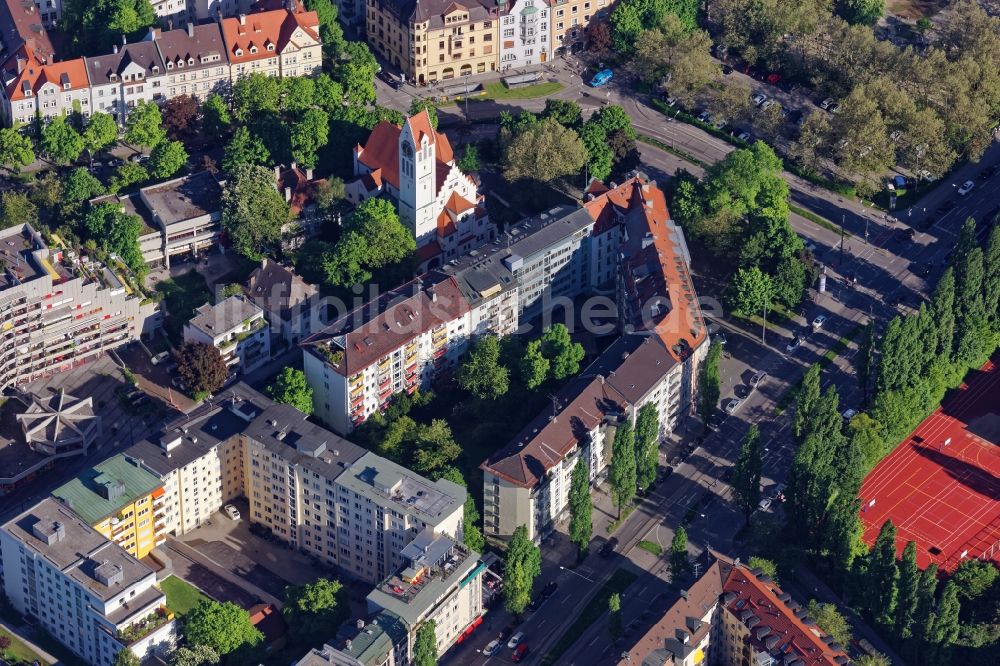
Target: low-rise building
{"points": [[291, 305], [378, 642], [120, 500], [237, 328], [85, 591], [58, 311], [733, 615]]}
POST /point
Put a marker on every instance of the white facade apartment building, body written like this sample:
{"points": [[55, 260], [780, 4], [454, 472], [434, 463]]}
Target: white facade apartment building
{"points": [[194, 58], [55, 317], [237, 328], [128, 76], [86, 591], [524, 33], [273, 43]]}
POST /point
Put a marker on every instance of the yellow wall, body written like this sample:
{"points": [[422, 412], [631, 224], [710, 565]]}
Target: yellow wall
{"points": [[135, 530]]}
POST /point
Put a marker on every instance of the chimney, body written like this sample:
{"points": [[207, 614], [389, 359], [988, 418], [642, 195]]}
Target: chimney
{"points": [[309, 174], [243, 19], [288, 194], [294, 165], [114, 48], [153, 33], [277, 172], [190, 28], [124, 40]]}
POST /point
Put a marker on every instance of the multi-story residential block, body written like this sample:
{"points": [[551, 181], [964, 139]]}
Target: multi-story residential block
{"points": [[129, 75], [57, 311], [435, 40], [291, 305], [194, 58], [120, 500], [379, 642], [237, 328], [212, 9], [319, 493], [569, 19], [524, 33], [415, 166], [51, 90], [733, 615], [86, 592], [273, 43], [397, 343]]}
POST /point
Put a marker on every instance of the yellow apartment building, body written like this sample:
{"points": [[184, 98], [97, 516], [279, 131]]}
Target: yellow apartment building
{"points": [[569, 20], [120, 500]]}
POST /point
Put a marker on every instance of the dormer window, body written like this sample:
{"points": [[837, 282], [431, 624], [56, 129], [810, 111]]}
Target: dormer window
{"points": [[191, 61], [66, 86], [239, 52], [156, 69], [253, 49], [113, 77], [270, 47], [170, 65]]}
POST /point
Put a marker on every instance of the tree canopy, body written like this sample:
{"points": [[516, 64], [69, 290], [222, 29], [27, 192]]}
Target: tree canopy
{"points": [[544, 151], [291, 388], [315, 610], [253, 211], [201, 367], [522, 565], [481, 372], [224, 627]]}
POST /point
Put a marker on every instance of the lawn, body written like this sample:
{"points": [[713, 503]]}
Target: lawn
{"points": [[619, 582], [651, 547], [498, 91], [181, 595], [816, 219], [18, 652], [182, 295]]}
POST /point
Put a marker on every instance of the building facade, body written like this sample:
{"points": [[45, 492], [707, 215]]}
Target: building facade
{"points": [[273, 43], [524, 33], [569, 20], [291, 305], [58, 312], [88, 593], [237, 328], [128, 76], [120, 500], [194, 59]]}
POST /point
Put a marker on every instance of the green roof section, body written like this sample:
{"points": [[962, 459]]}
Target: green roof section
{"points": [[377, 639], [104, 489]]}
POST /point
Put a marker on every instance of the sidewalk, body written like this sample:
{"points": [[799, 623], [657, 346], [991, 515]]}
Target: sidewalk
{"points": [[22, 636]]}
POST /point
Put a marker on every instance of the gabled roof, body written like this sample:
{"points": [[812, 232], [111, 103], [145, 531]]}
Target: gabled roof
{"points": [[278, 289], [23, 36], [71, 73], [275, 27], [203, 41], [138, 54], [381, 150]]}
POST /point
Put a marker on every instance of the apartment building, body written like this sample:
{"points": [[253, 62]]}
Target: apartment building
{"points": [[58, 311], [398, 342], [414, 165], [274, 43], [436, 40], [120, 500], [237, 328], [127, 76], [319, 493], [524, 33], [290, 304], [379, 642], [86, 592], [48, 90], [194, 58], [570, 19], [733, 616]]}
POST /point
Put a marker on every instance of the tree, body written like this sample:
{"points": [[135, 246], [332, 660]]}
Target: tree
{"points": [[298, 94], [678, 554], [807, 149], [862, 12], [830, 620], [944, 624], [418, 104], [600, 156], [909, 590], [472, 536], [731, 102], [481, 373], [387, 241], [254, 96], [581, 507], [308, 136], [15, 149], [16, 210], [291, 388], [215, 116], [876, 659], [534, 366], [90, 25], [117, 232], [544, 151], [623, 467], [882, 576], [180, 115], [80, 185], [647, 444], [329, 94], [566, 112], [806, 399], [127, 175], [746, 473], [344, 265], [750, 291], [710, 380], [201, 367], [224, 627], [598, 36], [195, 655], [253, 211], [328, 193], [167, 158], [60, 141], [433, 448], [101, 132], [765, 565], [564, 355], [425, 651], [144, 126], [244, 149], [974, 578], [866, 360], [315, 610], [522, 566], [615, 616], [126, 657], [469, 162]]}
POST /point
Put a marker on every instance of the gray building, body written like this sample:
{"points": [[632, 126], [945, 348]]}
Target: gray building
{"points": [[120, 80], [194, 58]]}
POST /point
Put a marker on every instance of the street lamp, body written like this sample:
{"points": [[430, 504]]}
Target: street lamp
{"points": [[576, 573]]}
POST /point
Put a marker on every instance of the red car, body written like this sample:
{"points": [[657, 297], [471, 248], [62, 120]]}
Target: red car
{"points": [[520, 652], [773, 79]]}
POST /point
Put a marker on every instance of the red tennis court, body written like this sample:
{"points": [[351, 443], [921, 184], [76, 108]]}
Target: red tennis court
{"points": [[941, 486]]}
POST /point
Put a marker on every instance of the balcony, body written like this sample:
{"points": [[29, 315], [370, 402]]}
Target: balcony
{"points": [[355, 380], [144, 627]]}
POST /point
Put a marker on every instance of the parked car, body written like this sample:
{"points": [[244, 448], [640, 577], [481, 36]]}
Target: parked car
{"points": [[608, 547], [601, 78], [733, 405], [834, 108], [758, 99], [519, 653], [491, 648], [727, 70], [826, 103], [757, 378], [793, 345], [849, 414], [768, 104], [778, 491], [745, 136], [704, 116], [765, 504], [160, 358], [719, 124], [819, 321], [905, 234], [549, 590], [515, 640], [232, 511], [966, 188]]}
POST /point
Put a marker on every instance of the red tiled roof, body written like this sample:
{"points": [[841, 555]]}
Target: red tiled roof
{"points": [[381, 150], [73, 72], [259, 30]]}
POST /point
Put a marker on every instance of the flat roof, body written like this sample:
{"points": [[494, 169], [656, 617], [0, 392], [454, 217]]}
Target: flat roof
{"points": [[224, 316], [77, 549], [16, 254], [105, 488], [184, 198]]}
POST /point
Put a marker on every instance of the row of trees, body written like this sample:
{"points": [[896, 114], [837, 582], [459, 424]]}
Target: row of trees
{"points": [[739, 212]]}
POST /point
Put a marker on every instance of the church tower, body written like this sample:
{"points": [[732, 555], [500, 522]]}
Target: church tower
{"points": [[417, 177]]}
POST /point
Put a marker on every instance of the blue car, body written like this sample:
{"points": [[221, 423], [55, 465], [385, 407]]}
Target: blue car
{"points": [[601, 78]]}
